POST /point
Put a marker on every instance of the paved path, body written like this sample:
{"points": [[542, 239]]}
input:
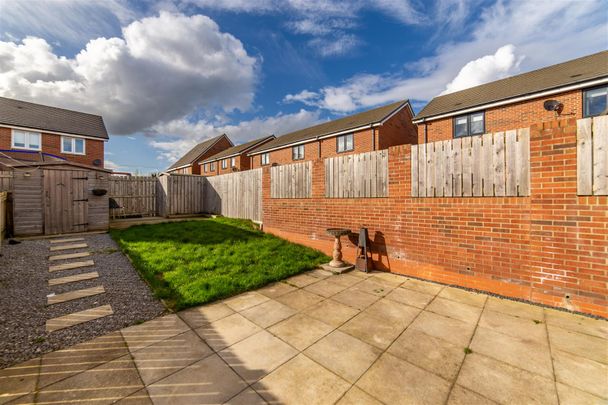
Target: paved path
{"points": [[347, 339]]}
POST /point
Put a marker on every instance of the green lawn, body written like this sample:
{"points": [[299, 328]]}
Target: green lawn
{"points": [[195, 262]]}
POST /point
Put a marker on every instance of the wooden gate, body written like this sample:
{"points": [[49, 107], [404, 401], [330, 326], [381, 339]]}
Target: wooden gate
{"points": [[65, 201]]}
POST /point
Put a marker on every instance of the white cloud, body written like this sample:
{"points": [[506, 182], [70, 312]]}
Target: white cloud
{"points": [[109, 164], [181, 135], [164, 68], [486, 69], [537, 37]]}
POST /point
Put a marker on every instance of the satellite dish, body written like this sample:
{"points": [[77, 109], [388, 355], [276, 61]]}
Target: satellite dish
{"points": [[553, 105], [97, 162]]}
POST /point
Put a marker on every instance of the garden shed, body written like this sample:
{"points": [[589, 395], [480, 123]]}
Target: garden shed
{"points": [[50, 198]]}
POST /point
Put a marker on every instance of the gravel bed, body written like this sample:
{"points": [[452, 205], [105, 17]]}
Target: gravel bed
{"points": [[24, 288]]}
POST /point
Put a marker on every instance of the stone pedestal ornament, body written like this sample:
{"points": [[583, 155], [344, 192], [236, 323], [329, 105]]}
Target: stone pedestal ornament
{"points": [[337, 265]]}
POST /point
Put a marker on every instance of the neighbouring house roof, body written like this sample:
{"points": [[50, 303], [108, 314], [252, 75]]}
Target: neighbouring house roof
{"points": [[238, 149], [23, 114], [372, 117], [577, 71], [195, 153], [11, 158]]}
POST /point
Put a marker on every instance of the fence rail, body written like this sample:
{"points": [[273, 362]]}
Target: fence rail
{"points": [[6, 180], [364, 175], [135, 195], [592, 156], [235, 195], [489, 165], [291, 181]]}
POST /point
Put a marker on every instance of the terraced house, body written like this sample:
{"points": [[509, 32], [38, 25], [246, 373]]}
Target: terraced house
{"points": [[573, 89], [233, 159], [36, 132], [190, 162], [367, 131]]}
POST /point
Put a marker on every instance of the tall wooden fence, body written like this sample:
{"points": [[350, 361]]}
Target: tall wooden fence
{"points": [[363, 175], [135, 195], [180, 194], [490, 165], [235, 195], [291, 181], [3, 215], [6, 180], [592, 156]]}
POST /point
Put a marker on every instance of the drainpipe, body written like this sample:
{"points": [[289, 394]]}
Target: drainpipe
{"points": [[373, 138]]}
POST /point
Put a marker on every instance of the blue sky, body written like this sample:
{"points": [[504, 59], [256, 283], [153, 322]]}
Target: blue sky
{"points": [[168, 74]]}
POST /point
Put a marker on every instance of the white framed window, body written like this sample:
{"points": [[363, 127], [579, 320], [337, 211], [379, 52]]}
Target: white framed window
{"points": [[345, 143], [595, 101], [212, 166], [233, 162], [471, 124], [297, 152], [26, 140], [74, 146], [225, 164], [265, 158], [205, 168]]}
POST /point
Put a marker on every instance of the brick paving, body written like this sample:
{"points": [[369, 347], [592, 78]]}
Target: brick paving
{"points": [[322, 339]]}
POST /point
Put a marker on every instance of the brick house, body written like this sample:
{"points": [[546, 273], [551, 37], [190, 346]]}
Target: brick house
{"points": [[367, 131], [233, 159], [578, 88], [36, 132], [190, 162]]}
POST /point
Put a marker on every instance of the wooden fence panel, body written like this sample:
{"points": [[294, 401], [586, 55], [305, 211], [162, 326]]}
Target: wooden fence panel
{"points": [[364, 175], [185, 194], [291, 181], [6, 180], [489, 165], [592, 156], [3, 217], [235, 195], [135, 194]]}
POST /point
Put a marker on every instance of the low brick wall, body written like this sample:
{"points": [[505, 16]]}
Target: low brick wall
{"points": [[550, 248]]}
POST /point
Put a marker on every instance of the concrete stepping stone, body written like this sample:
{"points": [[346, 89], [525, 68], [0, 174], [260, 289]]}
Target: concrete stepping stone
{"points": [[67, 247], [74, 295], [72, 279], [69, 256], [78, 317], [67, 240], [72, 265]]}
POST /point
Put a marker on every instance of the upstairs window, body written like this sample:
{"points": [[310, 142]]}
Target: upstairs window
{"points": [[297, 152], [233, 162], [265, 158], [205, 167], [225, 164], [26, 140], [595, 101], [470, 124], [71, 145], [212, 167], [345, 143]]}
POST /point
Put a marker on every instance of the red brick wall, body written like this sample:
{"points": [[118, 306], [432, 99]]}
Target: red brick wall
{"points": [[51, 143], [551, 247], [398, 130], [517, 115]]}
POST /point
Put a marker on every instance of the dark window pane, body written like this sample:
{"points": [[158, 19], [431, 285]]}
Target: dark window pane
{"points": [[595, 101], [460, 126], [476, 123]]}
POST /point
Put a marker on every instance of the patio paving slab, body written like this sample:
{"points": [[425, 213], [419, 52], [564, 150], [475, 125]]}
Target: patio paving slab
{"points": [[74, 295], [579, 344], [343, 354], [140, 336], [325, 288], [301, 381], [140, 397], [300, 299], [524, 353], [372, 330], [199, 316], [268, 313], [579, 372], [79, 317], [355, 298], [453, 309], [301, 280], [577, 323], [373, 287], [393, 312], [571, 395], [19, 380], [276, 289], [514, 326], [452, 330], [227, 331], [73, 265], [56, 241], [67, 256], [464, 296], [65, 363], [246, 300], [68, 247], [256, 356], [332, 312], [346, 279], [422, 286], [410, 297], [208, 381], [300, 330], [157, 361], [74, 278], [430, 353], [515, 308], [356, 396], [247, 397], [394, 279], [463, 396], [388, 380], [503, 383]]}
